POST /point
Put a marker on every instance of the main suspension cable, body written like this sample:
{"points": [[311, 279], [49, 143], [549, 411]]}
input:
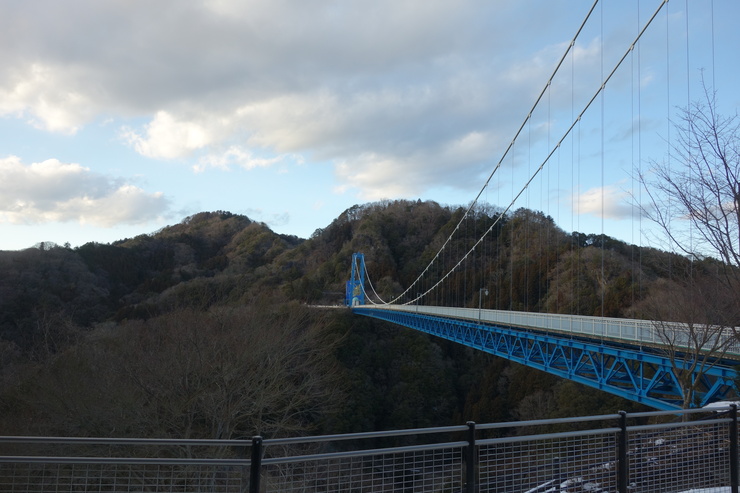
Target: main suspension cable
{"points": [[503, 156], [542, 165]]}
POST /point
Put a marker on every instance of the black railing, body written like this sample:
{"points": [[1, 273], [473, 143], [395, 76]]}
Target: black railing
{"points": [[639, 452]]}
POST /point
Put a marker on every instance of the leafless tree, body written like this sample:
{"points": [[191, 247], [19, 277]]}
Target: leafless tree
{"points": [[694, 199], [693, 320], [227, 373], [233, 372]]}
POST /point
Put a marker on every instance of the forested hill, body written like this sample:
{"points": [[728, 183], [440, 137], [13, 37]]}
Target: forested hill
{"points": [[75, 324], [219, 257]]}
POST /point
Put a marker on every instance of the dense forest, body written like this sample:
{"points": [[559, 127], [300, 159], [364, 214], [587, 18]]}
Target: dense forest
{"points": [[210, 328]]}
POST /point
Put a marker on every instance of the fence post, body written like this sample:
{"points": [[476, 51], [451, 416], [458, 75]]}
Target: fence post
{"points": [[733, 450], [255, 468], [622, 461], [470, 459]]}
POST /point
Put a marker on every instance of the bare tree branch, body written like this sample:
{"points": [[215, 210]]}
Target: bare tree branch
{"points": [[694, 199]]}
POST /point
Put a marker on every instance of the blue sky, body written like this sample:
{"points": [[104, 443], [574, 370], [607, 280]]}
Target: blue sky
{"points": [[119, 118]]}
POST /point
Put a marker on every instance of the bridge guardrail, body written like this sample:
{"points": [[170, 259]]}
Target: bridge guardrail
{"points": [[631, 331], [637, 453]]}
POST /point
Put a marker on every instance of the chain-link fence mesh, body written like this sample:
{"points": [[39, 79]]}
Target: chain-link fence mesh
{"points": [[119, 478], [679, 458], [557, 463], [408, 472]]}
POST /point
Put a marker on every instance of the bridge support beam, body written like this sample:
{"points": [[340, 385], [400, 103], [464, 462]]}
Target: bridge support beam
{"points": [[645, 377]]}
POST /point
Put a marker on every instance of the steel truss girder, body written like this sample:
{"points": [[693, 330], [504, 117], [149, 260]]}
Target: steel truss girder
{"points": [[644, 377]]}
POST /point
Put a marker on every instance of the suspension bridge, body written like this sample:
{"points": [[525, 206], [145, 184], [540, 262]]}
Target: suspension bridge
{"points": [[585, 158]]}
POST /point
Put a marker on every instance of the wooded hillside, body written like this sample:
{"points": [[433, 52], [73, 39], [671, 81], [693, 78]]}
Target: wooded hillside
{"points": [[203, 329]]}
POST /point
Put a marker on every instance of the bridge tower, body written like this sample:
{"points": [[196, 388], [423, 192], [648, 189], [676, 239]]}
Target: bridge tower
{"points": [[355, 293]]}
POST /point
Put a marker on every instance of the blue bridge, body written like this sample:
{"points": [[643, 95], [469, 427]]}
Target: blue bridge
{"points": [[644, 361]]}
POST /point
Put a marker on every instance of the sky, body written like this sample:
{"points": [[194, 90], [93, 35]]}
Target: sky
{"points": [[118, 118]]}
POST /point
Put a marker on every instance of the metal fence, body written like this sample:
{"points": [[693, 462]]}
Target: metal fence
{"points": [[652, 452]]}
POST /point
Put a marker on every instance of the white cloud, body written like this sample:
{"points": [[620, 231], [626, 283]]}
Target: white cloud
{"points": [[239, 156], [457, 163], [372, 174], [611, 202], [169, 138], [42, 95], [419, 90], [52, 191]]}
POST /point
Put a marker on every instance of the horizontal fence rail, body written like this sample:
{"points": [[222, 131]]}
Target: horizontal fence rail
{"points": [[654, 452], [623, 330]]}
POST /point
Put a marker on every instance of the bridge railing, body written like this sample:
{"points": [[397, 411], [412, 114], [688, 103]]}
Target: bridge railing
{"points": [[631, 331], [637, 453]]}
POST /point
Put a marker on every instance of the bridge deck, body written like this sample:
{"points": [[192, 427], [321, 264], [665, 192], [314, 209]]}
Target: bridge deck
{"points": [[633, 332]]}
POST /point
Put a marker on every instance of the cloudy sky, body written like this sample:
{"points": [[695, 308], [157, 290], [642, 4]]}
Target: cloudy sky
{"points": [[120, 117]]}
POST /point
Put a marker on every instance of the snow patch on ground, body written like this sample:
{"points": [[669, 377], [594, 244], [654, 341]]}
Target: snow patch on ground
{"points": [[719, 404], [724, 489]]}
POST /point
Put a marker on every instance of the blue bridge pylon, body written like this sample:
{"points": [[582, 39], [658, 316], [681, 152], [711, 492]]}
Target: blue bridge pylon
{"points": [[355, 290]]}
